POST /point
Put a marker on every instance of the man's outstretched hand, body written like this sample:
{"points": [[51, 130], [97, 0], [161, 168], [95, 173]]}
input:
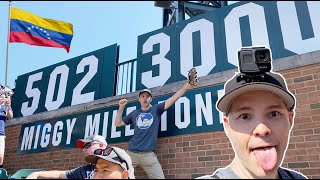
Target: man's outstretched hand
{"points": [[192, 77]]}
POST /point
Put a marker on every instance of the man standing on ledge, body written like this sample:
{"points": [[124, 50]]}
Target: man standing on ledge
{"points": [[146, 121]]}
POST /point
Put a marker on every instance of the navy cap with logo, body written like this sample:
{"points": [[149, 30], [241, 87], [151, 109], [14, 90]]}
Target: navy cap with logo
{"points": [[145, 90], [270, 81]]}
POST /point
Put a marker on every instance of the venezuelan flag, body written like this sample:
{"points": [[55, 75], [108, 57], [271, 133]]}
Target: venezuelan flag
{"points": [[31, 29]]}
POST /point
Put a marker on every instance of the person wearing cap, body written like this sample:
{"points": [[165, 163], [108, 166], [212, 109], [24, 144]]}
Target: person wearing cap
{"points": [[146, 121], [6, 113], [88, 146], [111, 163], [258, 118]]}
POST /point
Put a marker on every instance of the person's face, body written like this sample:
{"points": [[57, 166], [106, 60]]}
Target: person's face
{"points": [[108, 170], [258, 125], [90, 147], [2, 98], [145, 99]]}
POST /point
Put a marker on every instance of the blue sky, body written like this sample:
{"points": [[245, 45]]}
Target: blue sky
{"points": [[95, 25]]}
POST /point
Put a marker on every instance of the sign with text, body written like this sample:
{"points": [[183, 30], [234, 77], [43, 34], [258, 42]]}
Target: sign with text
{"points": [[210, 41], [78, 80], [194, 112]]}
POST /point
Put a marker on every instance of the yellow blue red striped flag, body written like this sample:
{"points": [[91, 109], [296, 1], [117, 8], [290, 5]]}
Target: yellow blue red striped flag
{"points": [[31, 29]]}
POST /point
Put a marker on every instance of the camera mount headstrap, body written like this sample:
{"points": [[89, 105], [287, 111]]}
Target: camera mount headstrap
{"points": [[251, 77]]}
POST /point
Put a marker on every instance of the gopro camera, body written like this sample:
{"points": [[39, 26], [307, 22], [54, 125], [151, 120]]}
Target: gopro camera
{"points": [[254, 60]]}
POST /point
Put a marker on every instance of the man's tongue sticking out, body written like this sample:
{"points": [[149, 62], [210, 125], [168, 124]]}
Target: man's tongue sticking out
{"points": [[266, 157]]}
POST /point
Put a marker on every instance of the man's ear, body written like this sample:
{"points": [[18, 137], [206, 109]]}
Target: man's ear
{"points": [[291, 117], [226, 124], [125, 174]]}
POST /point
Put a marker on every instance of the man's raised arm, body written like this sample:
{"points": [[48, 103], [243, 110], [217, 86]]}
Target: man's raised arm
{"points": [[118, 122]]}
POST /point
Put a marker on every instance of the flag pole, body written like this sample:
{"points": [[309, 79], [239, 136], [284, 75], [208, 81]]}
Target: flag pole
{"points": [[6, 80]]}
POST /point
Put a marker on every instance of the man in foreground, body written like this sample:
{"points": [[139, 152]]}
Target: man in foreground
{"points": [[258, 117], [111, 163], [88, 145]]}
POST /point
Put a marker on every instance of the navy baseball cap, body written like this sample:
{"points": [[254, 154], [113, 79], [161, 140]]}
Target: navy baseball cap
{"points": [[271, 81]]}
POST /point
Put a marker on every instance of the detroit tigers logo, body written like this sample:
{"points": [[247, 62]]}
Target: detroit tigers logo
{"points": [[144, 120], [89, 174]]}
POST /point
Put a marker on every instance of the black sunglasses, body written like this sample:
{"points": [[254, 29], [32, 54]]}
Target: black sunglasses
{"points": [[107, 151]]}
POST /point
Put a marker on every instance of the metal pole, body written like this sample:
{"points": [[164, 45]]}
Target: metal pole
{"points": [[223, 3], [178, 12], [9, 12], [165, 17]]}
